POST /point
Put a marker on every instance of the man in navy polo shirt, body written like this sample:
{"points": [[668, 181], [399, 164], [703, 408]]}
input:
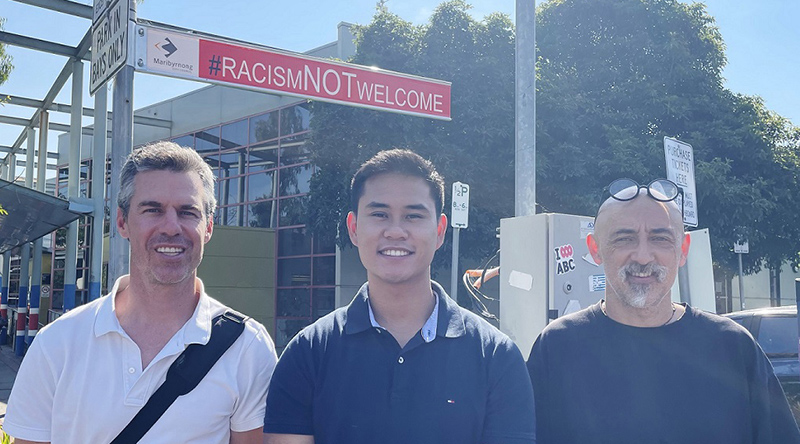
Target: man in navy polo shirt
{"points": [[403, 363]]}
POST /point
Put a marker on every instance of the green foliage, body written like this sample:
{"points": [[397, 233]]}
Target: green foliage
{"points": [[476, 147], [616, 77], [5, 60]]}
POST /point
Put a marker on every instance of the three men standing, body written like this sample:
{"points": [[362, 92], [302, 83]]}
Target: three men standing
{"points": [[89, 373]]}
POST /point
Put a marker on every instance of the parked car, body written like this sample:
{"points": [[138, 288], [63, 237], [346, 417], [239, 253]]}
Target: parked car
{"points": [[775, 329]]}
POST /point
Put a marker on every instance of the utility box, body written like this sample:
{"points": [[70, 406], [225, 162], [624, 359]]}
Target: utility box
{"points": [[546, 271]]}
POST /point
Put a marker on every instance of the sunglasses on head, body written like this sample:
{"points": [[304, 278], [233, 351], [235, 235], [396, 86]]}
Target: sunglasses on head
{"points": [[662, 190]]}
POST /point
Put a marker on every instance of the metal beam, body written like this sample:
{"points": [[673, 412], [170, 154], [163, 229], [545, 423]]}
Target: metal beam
{"points": [[63, 76], [15, 121], [21, 121], [50, 166], [88, 112], [7, 149], [65, 6], [40, 45], [86, 131]]}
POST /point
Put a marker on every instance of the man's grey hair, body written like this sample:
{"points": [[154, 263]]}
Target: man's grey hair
{"points": [[169, 156]]}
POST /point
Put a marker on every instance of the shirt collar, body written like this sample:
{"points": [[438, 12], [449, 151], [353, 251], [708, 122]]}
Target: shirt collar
{"points": [[428, 330], [447, 313], [197, 329]]}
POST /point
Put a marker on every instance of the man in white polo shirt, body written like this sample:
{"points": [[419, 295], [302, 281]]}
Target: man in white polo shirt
{"points": [[89, 373]]}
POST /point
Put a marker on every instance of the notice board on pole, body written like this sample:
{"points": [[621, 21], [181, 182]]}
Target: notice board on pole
{"points": [[680, 169]]}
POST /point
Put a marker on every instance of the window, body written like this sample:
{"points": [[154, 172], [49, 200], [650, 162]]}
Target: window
{"points": [[207, 141], [263, 127], [778, 335], [264, 170]]}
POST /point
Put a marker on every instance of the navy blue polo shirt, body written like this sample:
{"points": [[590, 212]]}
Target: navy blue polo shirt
{"points": [[347, 382]]}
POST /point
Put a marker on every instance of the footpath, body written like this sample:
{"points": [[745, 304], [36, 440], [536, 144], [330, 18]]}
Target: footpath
{"points": [[9, 366]]}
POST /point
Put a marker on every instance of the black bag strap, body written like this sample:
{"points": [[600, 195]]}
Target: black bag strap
{"points": [[184, 374]]}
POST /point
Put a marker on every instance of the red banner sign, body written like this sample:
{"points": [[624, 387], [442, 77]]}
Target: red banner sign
{"points": [[298, 75]]}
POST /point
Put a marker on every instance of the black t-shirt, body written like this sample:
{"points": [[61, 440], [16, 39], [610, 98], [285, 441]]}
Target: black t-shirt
{"points": [[701, 379]]}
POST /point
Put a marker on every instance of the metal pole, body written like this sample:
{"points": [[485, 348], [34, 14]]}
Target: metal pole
{"points": [[741, 284], [683, 285], [25, 256], [121, 146], [9, 176], [36, 286], [454, 266], [525, 106], [797, 301], [4, 297], [98, 191], [3, 284], [73, 184]]}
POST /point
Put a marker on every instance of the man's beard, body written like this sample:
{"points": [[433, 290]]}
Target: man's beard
{"points": [[636, 296]]}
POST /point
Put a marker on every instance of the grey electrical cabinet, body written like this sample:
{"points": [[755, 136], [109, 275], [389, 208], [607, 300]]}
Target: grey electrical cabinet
{"points": [[545, 272]]}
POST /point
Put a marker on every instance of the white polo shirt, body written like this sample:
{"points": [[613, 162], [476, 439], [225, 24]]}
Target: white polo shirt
{"points": [[82, 380]]}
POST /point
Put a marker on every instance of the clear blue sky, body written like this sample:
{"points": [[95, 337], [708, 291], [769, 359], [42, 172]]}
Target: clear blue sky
{"points": [[761, 38]]}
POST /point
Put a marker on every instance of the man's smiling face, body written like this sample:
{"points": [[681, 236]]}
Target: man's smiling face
{"points": [[166, 226], [396, 229], [641, 245]]}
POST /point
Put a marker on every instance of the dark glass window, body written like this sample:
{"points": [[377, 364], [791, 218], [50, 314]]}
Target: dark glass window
{"points": [[294, 152], [264, 158], [778, 335], [293, 242], [325, 270], [230, 191], [294, 272], [287, 328], [296, 180], [234, 134], [261, 185], [207, 141], [293, 211], [232, 163], [263, 127], [187, 140], [324, 302], [295, 119], [230, 215], [213, 161], [325, 243], [294, 302], [263, 214]]}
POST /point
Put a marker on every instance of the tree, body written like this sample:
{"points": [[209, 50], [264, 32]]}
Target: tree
{"points": [[616, 77], [476, 147], [5, 60]]}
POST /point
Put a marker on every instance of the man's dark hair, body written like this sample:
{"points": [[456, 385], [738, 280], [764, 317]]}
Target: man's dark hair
{"points": [[398, 161]]}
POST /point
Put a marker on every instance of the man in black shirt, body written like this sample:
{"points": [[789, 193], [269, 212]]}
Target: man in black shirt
{"points": [[638, 368]]}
